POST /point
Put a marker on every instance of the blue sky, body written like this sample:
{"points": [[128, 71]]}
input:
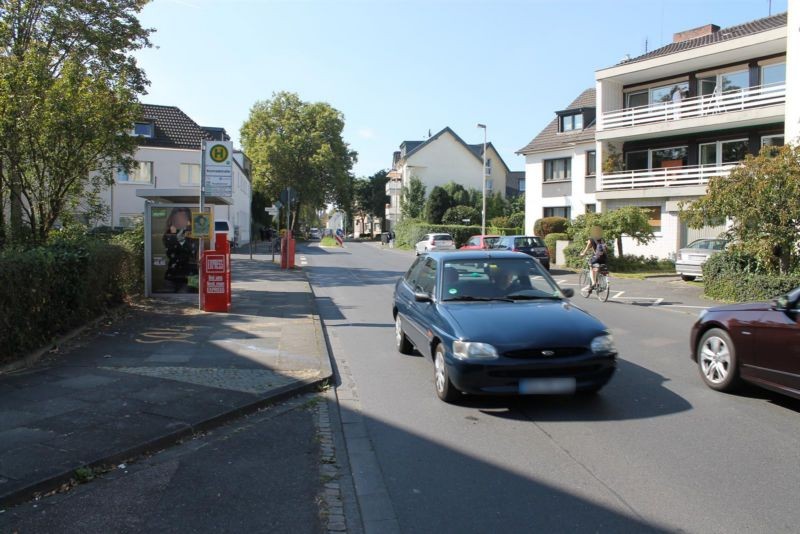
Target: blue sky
{"points": [[397, 69]]}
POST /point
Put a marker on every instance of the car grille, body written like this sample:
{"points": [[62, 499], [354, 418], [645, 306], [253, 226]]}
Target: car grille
{"points": [[544, 353], [577, 372]]}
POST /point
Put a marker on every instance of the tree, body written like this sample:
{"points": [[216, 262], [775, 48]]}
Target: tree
{"points": [[362, 193], [68, 96], [760, 199], [299, 144], [631, 221], [458, 214], [516, 220], [412, 200], [438, 202], [458, 195]]}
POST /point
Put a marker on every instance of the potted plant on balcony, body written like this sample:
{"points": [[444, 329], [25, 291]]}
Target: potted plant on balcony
{"points": [[613, 161]]}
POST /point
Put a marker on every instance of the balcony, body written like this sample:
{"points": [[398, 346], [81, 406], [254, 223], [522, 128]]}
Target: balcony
{"points": [[663, 177], [696, 107]]}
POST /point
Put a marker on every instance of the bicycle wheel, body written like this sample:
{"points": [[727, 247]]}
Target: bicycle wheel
{"points": [[603, 287], [584, 280]]}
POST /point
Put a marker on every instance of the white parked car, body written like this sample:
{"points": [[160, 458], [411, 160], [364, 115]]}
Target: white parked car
{"points": [[690, 260], [432, 242], [315, 233]]}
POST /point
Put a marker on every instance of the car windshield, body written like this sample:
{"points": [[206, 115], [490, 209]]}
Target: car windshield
{"points": [[512, 279], [522, 242], [708, 244]]}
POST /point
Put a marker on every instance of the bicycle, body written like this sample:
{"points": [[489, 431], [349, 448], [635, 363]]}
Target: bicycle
{"points": [[602, 286]]}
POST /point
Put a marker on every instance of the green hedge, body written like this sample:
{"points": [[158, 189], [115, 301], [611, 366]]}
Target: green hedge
{"points": [[409, 232], [550, 225], [550, 241], [49, 290], [737, 277]]}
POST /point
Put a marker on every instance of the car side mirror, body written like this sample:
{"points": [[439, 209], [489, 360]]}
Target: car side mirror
{"points": [[568, 292], [421, 296], [781, 303]]}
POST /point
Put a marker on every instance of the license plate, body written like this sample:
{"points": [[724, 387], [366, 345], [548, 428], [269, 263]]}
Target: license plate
{"points": [[546, 386]]}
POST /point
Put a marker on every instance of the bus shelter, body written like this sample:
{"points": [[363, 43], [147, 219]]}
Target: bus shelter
{"points": [[171, 248]]}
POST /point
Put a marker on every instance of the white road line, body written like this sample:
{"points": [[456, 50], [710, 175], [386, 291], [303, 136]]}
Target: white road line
{"points": [[684, 306], [618, 295], [657, 302]]}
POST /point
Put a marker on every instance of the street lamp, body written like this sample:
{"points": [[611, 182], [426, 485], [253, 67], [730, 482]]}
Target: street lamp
{"points": [[483, 176]]}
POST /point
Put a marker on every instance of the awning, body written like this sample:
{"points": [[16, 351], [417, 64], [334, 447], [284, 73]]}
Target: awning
{"points": [[180, 196]]}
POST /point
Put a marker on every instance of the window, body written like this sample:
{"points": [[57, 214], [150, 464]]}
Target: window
{"points": [[190, 174], [489, 184], [591, 163], [637, 160], [775, 73], [143, 129], [772, 140], [591, 208], [522, 185], [571, 122], [140, 173], [411, 274], [733, 151], [654, 217], [656, 158], [723, 152], [488, 166], [426, 278], [735, 81], [557, 212], [637, 99], [129, 220], [557, 169]]}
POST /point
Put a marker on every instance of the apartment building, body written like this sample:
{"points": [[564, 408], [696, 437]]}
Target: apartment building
{"points": [[672, 118], [442, 158], [561, 164], [169, 158]]}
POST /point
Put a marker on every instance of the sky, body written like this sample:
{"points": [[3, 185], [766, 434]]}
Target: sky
{"points": [[398, 69]]}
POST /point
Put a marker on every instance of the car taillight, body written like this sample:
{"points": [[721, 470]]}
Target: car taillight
{"points": [[513, 249]]}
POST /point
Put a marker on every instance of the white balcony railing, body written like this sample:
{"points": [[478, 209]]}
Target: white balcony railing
{"points": [[663, 177], [698, 106]]}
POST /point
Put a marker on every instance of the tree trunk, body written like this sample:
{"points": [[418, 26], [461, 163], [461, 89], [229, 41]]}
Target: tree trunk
{"points": [[619, 247]]}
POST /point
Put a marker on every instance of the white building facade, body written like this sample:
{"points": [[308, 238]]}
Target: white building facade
{"points": [[669, 120], [443, 158], [169, 157], [561, 165]]}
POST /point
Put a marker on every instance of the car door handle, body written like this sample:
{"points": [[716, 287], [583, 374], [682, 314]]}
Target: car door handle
{"points": [[746, 332]]}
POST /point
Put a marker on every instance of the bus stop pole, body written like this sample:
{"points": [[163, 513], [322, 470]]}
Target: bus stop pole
{"points": [[201, 245]]}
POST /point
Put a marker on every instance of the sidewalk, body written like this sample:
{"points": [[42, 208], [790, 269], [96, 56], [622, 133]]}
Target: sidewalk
{"points": [[160, 372]]}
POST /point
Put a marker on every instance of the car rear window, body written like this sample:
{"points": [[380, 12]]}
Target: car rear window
{"points": [[442, 237], [491, 241], [520, 242]]}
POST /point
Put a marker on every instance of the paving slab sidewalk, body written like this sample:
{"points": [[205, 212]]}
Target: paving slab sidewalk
{"points": [[159, 372]]}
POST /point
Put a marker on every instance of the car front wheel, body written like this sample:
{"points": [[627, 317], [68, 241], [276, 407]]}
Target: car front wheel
{"points": [[401, 341], [716, 359], [444, 388]]}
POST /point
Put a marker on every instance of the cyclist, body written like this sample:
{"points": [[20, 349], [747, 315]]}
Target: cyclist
{"points": [[599, 256]]}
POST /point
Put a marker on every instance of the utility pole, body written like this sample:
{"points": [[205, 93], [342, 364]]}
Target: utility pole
{"points": [[483, 181]]}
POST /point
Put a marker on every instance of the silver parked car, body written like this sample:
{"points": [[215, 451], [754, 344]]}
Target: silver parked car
{"points": [[690, 260], [433, 242]]}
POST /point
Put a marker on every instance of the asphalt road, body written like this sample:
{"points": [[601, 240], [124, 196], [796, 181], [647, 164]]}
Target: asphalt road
{"points": [[655, 451]]}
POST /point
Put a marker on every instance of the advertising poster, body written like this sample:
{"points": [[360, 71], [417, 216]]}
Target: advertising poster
{"points": [[175, 253]]}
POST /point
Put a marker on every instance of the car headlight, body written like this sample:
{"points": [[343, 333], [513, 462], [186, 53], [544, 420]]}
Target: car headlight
{"points": [[470, 350], [604, 345]]}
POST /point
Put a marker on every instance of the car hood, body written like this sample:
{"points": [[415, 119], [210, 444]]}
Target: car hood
{"points": [[523, 324], [744, 306]]}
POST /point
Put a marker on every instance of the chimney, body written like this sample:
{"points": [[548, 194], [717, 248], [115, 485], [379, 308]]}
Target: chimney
{"points": [[694, 33], [395, 158]]}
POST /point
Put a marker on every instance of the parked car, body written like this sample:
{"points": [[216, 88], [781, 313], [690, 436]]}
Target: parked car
{"points": [[757, 342], [480, 242], [223, 225], [433, 242], [528, 244], [690, 260], [495, 322], [314, 233]]}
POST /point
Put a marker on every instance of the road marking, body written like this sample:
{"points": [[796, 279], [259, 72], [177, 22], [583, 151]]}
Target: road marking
{"points": [[303, 260], [618, 295], [657, 302]]}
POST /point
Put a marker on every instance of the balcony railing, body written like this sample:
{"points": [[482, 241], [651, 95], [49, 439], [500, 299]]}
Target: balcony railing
{"points": [[697, 106], [663, 177]]}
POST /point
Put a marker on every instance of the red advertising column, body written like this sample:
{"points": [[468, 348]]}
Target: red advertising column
{"points": [[213, 283]]}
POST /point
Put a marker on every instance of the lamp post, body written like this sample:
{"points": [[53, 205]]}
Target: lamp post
{"points": [[483, 176]]}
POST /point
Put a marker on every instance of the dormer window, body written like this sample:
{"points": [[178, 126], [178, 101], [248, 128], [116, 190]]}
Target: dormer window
{"points": [[143, 129], [572, 122]]}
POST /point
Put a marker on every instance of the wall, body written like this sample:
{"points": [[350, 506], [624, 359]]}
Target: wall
{"points": [[446, 160], [792, 123], [575, 195], [667, 240]]}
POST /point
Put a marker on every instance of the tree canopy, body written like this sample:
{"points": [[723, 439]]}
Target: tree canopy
{"points": [[760, 199], [437, 204], [631, 221], [412, 200], [298, 144], [457, 214], [69, 86]]}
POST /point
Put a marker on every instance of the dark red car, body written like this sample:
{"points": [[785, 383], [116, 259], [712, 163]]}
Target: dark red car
{"points": [[757, 342], [480, 242]]}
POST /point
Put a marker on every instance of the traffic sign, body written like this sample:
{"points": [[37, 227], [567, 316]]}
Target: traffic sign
{"points": [[288, 196], [219, 168]]}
